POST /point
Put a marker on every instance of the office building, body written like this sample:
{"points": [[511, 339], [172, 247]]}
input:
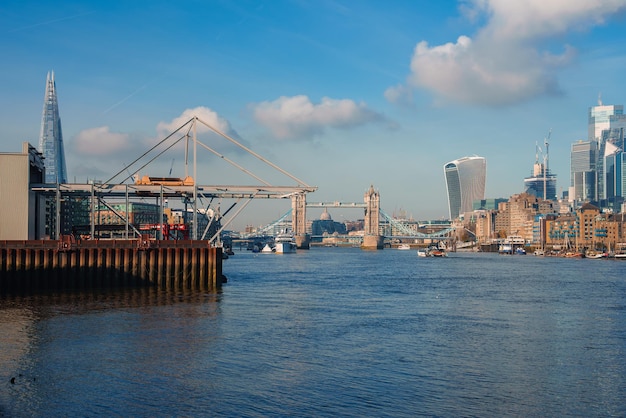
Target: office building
{"points": [[22, 209], [583, 170], [600, 118], [51, 136], [605, 126], [465, 183], [615, 171], [542, 183]]}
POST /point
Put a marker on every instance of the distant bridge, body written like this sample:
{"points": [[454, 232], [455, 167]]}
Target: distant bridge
{"points": [[399, 228]]}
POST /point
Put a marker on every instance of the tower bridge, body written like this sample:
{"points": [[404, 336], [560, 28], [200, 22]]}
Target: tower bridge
{"points": [[374, 232]]}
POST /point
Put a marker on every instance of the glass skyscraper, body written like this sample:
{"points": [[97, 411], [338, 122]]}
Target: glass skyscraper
{"points": [[51, 136], [600, 118], [583, 169], [542, 183], [465, 183], [606, 127]]}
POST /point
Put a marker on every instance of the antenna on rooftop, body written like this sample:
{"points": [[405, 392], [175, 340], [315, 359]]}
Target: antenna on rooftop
{"points": [[600, 99]]}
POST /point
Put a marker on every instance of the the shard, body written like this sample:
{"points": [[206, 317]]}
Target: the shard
{"points": [[51, 136]]}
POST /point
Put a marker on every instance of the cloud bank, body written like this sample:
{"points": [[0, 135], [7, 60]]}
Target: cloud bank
{"points": [[298, 118], [506, 61]]}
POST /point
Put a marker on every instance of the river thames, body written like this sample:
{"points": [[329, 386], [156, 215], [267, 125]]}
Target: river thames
{"points": [[330, 332]]}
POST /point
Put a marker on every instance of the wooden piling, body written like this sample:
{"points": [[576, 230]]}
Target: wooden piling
{"points": [[42, 265]]}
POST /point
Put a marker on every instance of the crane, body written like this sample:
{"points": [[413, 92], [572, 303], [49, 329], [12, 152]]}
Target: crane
{"points": [[545, 163]]}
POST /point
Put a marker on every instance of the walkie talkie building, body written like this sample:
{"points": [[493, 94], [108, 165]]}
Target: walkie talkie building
{"points": [[51, 136], [465, 182]]}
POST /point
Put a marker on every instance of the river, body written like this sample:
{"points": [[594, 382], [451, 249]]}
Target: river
{"points": [[330, 332]]}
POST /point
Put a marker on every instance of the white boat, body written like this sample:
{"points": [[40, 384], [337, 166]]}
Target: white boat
{"points": [[267, 249], [404, 247], [505, 249], [284, 243], [595, 254]]}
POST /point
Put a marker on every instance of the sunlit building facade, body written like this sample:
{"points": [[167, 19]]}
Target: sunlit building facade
{"points": [[465, 183], [600, 118], [51, 136]]}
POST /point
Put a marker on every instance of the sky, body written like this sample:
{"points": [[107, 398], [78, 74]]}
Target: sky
{"points": [[341, 94]]}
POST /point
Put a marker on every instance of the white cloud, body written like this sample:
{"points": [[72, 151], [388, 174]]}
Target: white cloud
{"points": [[100, 142], [204, 114], [504, 63], [298, 117], [400, 94]]}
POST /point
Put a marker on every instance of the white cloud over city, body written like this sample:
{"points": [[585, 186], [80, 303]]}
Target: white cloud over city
{"points": [[297, 117], [508, 59], [100, 141]]}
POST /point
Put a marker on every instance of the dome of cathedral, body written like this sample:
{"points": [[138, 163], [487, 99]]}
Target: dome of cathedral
{"points": [[325, 216]]}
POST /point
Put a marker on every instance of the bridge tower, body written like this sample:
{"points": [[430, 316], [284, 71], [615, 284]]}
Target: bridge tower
{"points": [[298, 220], [372, 240]]}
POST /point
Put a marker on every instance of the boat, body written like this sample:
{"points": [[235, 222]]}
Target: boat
{"points": [[513, 244], [539, 252], [404, 247], [432, 251], [505, 249], [284, 243], [595, 254], [574, 254], [267, 249]]}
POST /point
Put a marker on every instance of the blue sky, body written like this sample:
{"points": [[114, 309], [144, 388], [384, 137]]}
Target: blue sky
{"points": [[342, 94]]}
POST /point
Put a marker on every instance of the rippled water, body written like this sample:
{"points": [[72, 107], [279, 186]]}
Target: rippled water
{"points": [[330, 332]]}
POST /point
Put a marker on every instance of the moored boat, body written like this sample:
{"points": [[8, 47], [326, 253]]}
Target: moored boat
{"points": [[595, 254], [432, 251], [284, 243]]}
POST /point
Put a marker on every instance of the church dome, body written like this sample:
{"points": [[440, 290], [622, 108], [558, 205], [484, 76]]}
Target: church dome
{"points": [[325, 216]]}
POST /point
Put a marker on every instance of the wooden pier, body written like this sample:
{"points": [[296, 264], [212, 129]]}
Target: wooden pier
{"points": [[44, 265]]}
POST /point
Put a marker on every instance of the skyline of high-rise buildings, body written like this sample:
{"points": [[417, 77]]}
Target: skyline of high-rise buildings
{"points": [[596, 164], [465, 183], [51, 136]]}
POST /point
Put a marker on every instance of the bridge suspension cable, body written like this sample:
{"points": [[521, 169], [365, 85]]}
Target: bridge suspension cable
{"points": [[269, 227]]}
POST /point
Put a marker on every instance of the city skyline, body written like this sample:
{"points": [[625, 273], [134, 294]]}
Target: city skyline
{"points": [[342, 96]]}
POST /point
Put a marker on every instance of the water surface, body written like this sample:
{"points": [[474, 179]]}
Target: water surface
{"points": [[330, 332]]}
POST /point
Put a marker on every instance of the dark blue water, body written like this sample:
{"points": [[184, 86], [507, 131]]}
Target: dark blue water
{"points": [[331, 332]]}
